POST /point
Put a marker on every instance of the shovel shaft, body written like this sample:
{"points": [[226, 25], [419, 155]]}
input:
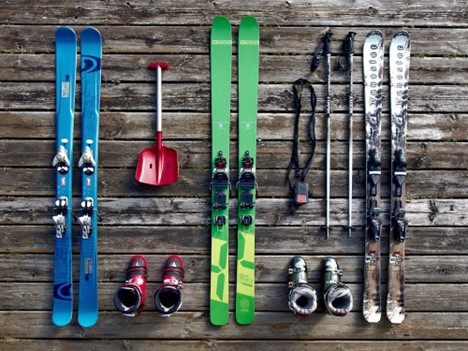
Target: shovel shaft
{"points": [[158, 102], [159, 66]]}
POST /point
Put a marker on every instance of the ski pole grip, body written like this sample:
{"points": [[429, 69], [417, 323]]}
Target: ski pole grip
{"points": [[327, 43], [349, 43]]}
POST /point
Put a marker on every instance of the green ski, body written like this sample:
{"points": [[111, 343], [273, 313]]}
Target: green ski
{"points": [[221, 57], [248, 62]]}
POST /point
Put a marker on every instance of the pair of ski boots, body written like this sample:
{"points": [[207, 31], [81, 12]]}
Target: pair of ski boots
{"points": [[168, 297], [303, 298]]}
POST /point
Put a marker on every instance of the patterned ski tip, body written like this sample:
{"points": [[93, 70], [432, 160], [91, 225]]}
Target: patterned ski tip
{"points": [[373, 315], [396, 316]]}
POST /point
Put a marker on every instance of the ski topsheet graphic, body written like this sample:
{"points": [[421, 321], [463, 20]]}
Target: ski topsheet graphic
{"points": [[373, 59], [221, 58], [91, 54], [248, 62], [399, 57], [65, 65]]}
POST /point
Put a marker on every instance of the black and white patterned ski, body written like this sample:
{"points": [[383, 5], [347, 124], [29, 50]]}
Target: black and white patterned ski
{"points": [[399, 58], [373, 62]]}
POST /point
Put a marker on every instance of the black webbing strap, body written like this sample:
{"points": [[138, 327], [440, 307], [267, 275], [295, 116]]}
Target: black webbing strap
{"points": [[298, 87]]}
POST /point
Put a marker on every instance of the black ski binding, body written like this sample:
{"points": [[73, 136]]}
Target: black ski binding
{"points": [[85, 219], [399, 222], [399, 171], [374, 224], [59, 212], [220, 182], [247, 181]]}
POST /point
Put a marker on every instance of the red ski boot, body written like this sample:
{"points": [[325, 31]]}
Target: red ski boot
{"points": [[131, 296], [168, 298]]}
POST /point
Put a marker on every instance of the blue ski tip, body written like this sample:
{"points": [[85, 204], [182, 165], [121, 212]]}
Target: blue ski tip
{"points": [[65, 32], [61, 319], [87, 321], [91, 34]]}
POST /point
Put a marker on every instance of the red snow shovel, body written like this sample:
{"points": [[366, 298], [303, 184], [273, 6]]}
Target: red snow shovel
{"points": [[158, 165]]}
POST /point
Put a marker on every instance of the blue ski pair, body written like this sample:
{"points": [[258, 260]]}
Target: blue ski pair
{"points": [[91, 54]]}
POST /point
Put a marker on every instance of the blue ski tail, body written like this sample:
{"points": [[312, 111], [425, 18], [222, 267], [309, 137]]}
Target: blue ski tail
{"points": [[91, 55], [65, 65]]}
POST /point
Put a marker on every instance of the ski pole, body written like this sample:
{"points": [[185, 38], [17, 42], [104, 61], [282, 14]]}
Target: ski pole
{"points": [[349, 50], [327, 46]]}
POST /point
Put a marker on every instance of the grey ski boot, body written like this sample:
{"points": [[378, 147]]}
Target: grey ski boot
{"points": [[338, 298], [302, 297]]}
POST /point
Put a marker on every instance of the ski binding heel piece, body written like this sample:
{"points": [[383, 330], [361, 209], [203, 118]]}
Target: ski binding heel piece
{"points": [[337, 296], [132, 295], [220, 182], [85, 220], [247, 181], [168, 297], [60, 210], [302, 297]]}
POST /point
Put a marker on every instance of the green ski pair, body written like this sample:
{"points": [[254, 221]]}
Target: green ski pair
{"points": [[248, 62]]}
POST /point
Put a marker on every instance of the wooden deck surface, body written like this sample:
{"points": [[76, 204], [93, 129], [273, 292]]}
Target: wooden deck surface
{"points": [[174, 219]]}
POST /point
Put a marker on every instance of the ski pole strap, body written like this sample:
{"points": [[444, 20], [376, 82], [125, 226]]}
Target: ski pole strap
{"points": [[300, 189], [324, 47]]}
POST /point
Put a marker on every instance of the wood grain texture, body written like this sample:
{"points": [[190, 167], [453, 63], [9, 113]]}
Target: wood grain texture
{"points": [[156, 222]]}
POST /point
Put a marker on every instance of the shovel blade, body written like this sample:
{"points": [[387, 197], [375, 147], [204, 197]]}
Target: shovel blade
{"points": [[157, 168]]}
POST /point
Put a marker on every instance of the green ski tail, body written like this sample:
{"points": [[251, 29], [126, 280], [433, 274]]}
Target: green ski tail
{"points": [[221, 58], [248, 62]]}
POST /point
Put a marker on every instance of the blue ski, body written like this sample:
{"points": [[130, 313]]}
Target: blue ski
{"points": [[91, 54], [65, 71]]}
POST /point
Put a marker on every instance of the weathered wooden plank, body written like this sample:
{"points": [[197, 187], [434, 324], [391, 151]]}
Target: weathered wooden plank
{"points": [[11, 344], [269, 268], [195, 211], [270, 297], [270, 155], [196, 97], [196, 68], [288, 240], [190, 125], [271, 326], [116, 182], [269, 13], [158, 40]]}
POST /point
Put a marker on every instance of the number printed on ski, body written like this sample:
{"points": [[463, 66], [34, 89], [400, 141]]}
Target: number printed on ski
{"points": [[373, 60], [91, 55], [65, 65], [399, 58], [248, 62], [221, 61]]}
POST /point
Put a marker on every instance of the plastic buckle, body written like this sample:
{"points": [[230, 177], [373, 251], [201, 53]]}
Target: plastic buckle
{"points": [[301, 193]]}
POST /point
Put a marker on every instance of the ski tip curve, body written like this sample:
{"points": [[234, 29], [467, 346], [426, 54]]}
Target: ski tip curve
{"points": [[87, 321], [249, 20], [372, 314], [402, 33], [221, 21], [91, 34], [396, 317], [61, 319], [64, 33]]}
